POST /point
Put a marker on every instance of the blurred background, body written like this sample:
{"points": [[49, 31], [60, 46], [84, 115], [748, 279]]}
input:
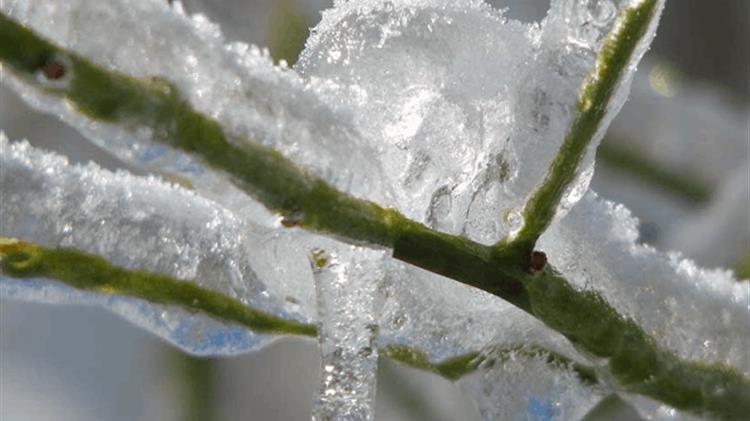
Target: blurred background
{"points": [[677, 156]]}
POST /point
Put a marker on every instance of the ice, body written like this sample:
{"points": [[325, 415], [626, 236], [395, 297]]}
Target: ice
{"points": [[595, 248], [446, 110], [445, 319], [146, 224], [348, 281], [472, 106], [237, 84], [514, 386]]}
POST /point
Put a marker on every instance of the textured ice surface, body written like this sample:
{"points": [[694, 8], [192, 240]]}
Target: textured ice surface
{"points": [[444, 109], [595, 248], [445, 318], [515, 386], [146, 224], [236, 84], [347, 281], [471, 107]]}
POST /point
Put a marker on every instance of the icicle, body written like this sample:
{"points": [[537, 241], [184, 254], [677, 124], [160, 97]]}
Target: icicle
{"points": [[347, 284]]}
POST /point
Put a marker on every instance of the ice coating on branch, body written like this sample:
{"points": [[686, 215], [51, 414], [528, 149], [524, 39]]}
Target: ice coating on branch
{"points": [[236, 84], [700, 314], [514, 386], [347, 281], [444, 318], [465, 107], [472, 106], [146, 224]]}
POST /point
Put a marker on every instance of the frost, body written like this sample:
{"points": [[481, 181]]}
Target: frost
{"points": [[595, 248], [446, 110], [146, 224], [236, 84], [518, 387], [347, 284], [469, 112]]}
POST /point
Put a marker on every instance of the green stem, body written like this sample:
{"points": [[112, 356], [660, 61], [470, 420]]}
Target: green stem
{"points": [[584, 318], [92, 273], [612, 64], [275, 181], [457, 367], [633, 358], [87, 272]]}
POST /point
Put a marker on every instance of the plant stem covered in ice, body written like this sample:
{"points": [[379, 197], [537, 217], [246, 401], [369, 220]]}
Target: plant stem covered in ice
{"points": [[508, 270]]}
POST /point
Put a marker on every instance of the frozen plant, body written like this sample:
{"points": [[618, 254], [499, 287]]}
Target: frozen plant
{"points": [[416, 188]]}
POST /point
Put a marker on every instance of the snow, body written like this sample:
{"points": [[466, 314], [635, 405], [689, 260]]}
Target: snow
{"points": [[445, 110], [145, 224]]}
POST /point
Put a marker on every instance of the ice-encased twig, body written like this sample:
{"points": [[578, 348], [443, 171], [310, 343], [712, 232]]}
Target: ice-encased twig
{"points": [[348, 283], [87, 272], [596, 248], [610, 80], [144, 223], [461, 259], [304, 199]]}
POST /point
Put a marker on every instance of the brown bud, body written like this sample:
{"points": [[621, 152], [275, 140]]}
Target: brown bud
{"points": [[54, 70], [538, 262], [289, 223]]}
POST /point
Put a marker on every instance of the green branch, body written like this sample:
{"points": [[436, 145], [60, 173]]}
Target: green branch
{"points": [[633, 358], [87, 272], [584, 318], [307, 200], [92, 273], [457, 367], [612, 64]]}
